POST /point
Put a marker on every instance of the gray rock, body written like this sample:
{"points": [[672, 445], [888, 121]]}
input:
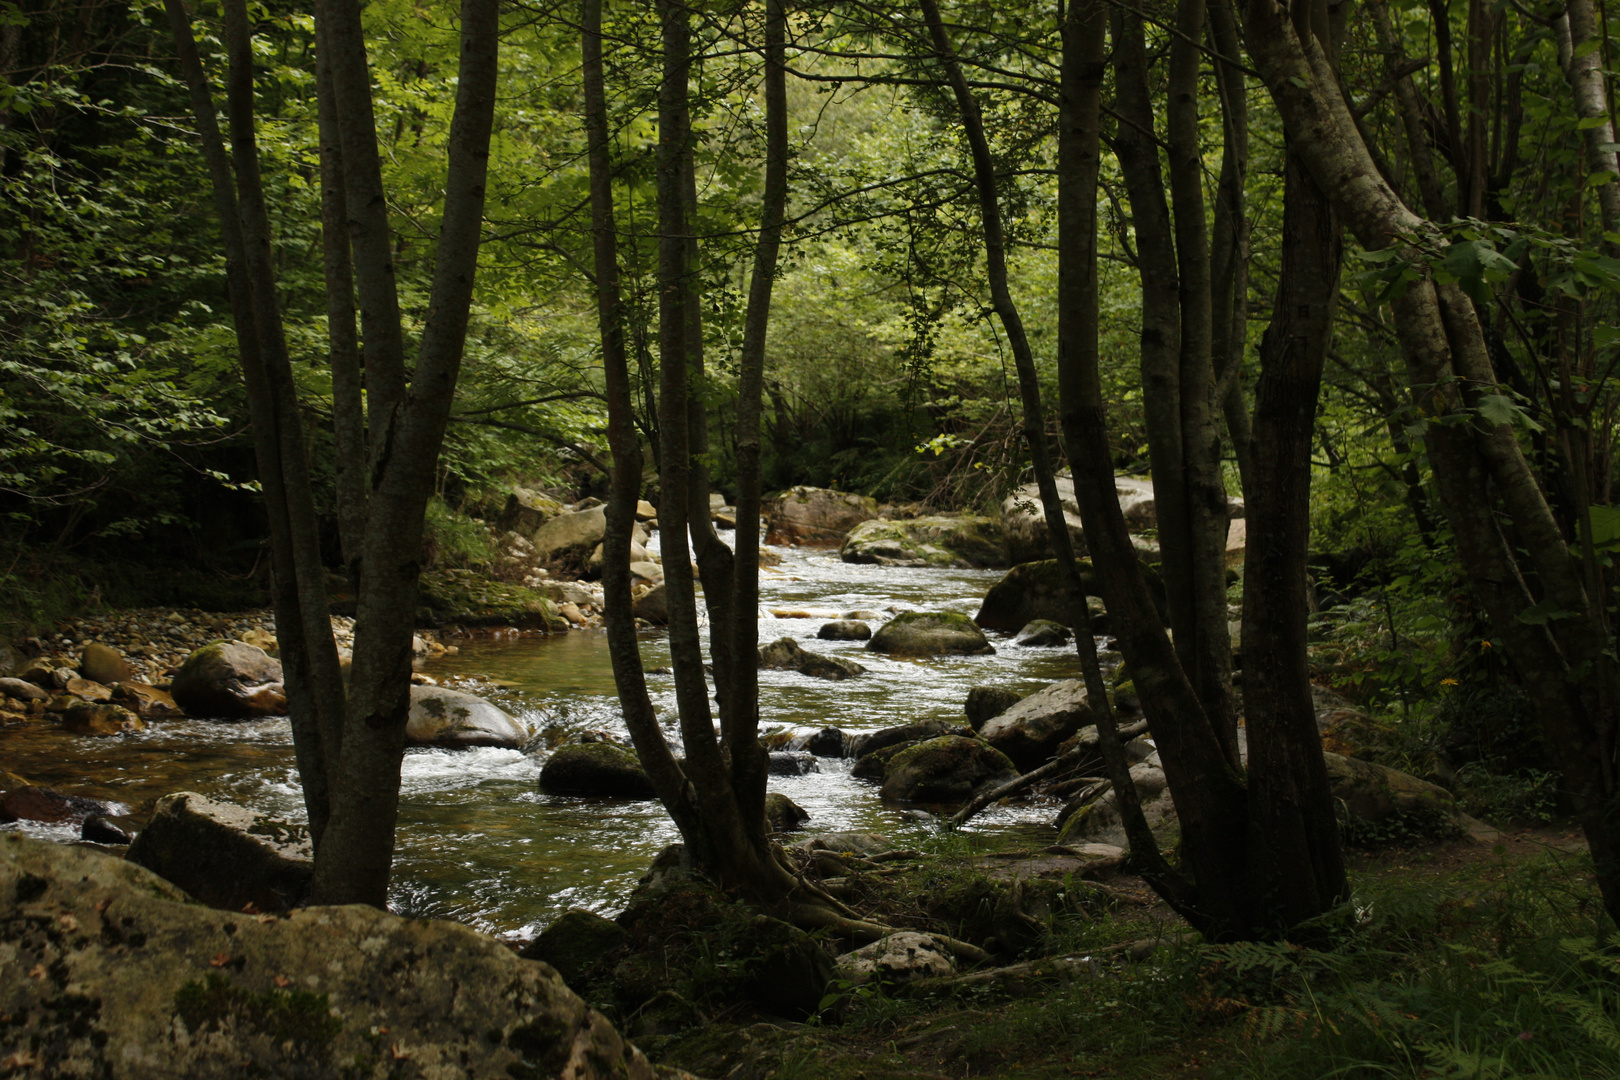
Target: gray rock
{"points": [[143, 984], [1023, 523], [815, 516], [575, 943], [858, 843], [961, 540], [844, 630], [899, 958], [229, 680], [930, 633], [225, 856], [526, 511], [787, 654], [22, 690], [986, 702], [570, 535], [1043, 633], [442, 717], [598, 769], [861, 745], [948, 769], [1031, 731], [789, 763]]}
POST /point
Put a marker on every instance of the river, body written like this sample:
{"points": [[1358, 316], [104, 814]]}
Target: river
{"points": [[478, 842]]}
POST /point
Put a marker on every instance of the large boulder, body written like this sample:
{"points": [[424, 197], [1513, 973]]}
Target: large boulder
{"points": [[139, 984], [225, 855], [948, 769], [575, 943], [460, 597], [1031, 731], [570, 535], [985, 702], [1023, 523], [861, 745], [442, 717], [48, 805], [230, 680], [782, 813], [1371, 795], [930, 633], [787, 654], [599, 769], [104, 664], [960, 540], [1033, 590], [526, 511], [837, 630], [815, 516], [899, 958]]}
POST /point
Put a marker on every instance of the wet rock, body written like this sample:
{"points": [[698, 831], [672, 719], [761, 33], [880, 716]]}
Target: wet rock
{"points": [[899, 958], [872, 765], [575, 944], [1033, 591], [787, 654], [100, 720], [1031, 731], [963, 540], [930, 633], [828, 742], [23, 690], [815, 516], [782, 813], [147, 702], [653, 606], [230, 680], [861, 745], [225, 856], [948, 769], [441, 717], [1043, 633], [844, 630], [602, 770], [162, 987], [47, 805], [985, 702], [789, 763], [104, 664], [98, 830]]}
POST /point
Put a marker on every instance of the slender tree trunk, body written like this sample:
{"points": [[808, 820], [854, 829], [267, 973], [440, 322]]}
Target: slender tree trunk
{"points": [[1229, 254], [1578, 27]]}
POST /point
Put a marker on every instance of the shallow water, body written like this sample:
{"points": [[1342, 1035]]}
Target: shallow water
{"points": [[478, 842]]}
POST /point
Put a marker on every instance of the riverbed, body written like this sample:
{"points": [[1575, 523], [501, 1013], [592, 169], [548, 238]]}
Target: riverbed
{"points": [[477, 840]]}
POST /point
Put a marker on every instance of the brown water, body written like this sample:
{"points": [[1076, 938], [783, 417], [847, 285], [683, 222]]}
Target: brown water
{"points": [[478, 842]]}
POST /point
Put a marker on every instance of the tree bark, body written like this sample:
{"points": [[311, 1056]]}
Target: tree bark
{"points": [[1583, 67]]}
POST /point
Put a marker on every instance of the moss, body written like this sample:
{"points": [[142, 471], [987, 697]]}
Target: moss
{"points": [[298, 1017], [467, 599]]}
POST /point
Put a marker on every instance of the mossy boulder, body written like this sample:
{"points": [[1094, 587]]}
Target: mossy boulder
{"points": [[782, 813], [949, 769], [576, 944], [225, 855], [985, 702], [961, 540], [229, 680], [465, 598], [787, 654], [1375, 799], [600, 769], [930, 633], [861, 745]]}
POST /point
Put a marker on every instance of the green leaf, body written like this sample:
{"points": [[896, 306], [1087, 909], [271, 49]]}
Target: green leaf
{"points": [[1543, 613]]}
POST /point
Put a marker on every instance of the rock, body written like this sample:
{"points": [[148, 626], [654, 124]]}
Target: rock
{"points": [[62, 676], [950, 768], [600, 769], [648, 571], [570, 536], [791, 763], [1370, 795], [1097, 819], [638, 552], [844, 630], [525, 511], [441, 717], [467, 598], [1043, 633], [854, 843], [262, 639], [147, 702], [788, 972], [98, 830], [1023, 523], [225, 856], [104, 664], [100, 720], [1030, 731], [786, 654], [572, 614], [1237, 542], [23, 690], [229, 680], [985, 702], [41, 671], [814, 516], [575, 943], [899, 958], [143, 984], [872, 765], [645, 511], [961, 541], [861, 745], [1032, 591], [47, 805], [579, 593], [652, 605], [930, 633], [828, 742], [782, 813], [87, 690]]}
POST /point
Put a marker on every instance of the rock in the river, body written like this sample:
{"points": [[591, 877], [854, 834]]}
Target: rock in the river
{"points": [[782, 813], [899, 958], [1023, 523], [145, 701], [964, 540], [570, 536], [842, 630], [100, 720], [87, 690], [224, 855], [441, 717], [861, 745], [1043, 633], [652, 605], [98, 830], [828, 742], [792, 763], [985, 702], [787, 654], [141, 985], [930, 633], [575, 944], [600, 769], [1032, 591], [47, 805], [229, 680], [104, 664], [815, 516], [948, 769], [1030, 731]]}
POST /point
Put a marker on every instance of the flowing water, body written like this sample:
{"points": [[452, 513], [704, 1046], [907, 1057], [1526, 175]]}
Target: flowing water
{"points": [[477, 840]]}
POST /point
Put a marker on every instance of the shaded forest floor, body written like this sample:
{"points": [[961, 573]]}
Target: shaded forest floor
{"points": [[1455, 958]]}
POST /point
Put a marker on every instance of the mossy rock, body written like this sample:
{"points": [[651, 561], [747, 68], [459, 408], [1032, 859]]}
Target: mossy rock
{"points": [[599, 769], [930, 633], [464, 598], [949, 769], [873, 765], [576, 944], [964, 540]]}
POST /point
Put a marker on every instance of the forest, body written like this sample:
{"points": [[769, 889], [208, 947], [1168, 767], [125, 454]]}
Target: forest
{"points": [[318, 309]]}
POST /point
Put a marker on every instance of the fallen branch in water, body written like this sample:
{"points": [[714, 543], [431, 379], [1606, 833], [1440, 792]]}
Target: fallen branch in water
{"points": [[1035, 776]]}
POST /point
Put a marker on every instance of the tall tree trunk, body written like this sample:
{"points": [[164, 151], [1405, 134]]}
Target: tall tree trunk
{"points": [[1577, 33], [1229, 247]]}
